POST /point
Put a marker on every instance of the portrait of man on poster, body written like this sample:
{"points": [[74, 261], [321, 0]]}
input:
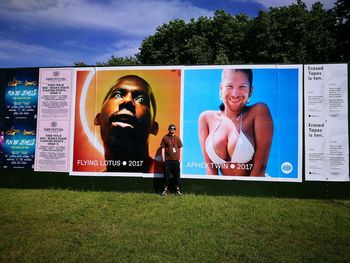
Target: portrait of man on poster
{"points": [[126, 120]]}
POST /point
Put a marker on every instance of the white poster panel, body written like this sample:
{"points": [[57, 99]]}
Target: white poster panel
{"points": [[55, 85], [52, 148], [326, 122]]}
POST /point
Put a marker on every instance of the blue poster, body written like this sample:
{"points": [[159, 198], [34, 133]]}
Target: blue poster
{"points": [[20, 114], [19, 144], [2, 117], [21, 94], [243, 122]]}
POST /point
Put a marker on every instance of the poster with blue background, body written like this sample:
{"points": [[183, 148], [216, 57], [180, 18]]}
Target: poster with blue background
{"points": [[21, 94], [277, 86], [20, 117], [19, 144], [2, 116]]}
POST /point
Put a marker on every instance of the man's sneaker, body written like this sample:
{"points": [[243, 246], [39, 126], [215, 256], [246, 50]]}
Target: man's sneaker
{"points": [[178, 192], [164, 193]]}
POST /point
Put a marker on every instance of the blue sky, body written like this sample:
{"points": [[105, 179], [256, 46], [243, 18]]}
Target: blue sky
{"points": [[39, 33]]}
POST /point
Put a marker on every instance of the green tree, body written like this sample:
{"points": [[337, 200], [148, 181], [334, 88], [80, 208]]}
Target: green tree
{"points": [[320, 39], [202, 41], [342, 14], [166, 46], [119, 61], [229, 37], [275, 35], [80, 64], [292, 34]]}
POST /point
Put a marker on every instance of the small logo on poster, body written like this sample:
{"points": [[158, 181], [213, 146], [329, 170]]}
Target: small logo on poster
{"points": [[53, 124], [56, 73], [286, 167]]}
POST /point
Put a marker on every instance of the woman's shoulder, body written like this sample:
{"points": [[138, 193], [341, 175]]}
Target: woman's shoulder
{"points": [[209, 114], [259, 107], [258, 110]]}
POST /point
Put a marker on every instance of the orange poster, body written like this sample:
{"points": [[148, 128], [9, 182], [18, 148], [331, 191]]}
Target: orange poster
{"points": [[120, 117]]}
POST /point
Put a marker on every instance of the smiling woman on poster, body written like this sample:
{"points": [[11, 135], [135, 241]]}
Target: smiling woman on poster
{"points": [[236, 140]]}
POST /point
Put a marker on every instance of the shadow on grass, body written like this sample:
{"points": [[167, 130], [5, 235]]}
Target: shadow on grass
{"points": [[11, 178]]}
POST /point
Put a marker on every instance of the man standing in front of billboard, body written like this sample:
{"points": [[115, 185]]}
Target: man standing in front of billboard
{"points": [[171, 154]]}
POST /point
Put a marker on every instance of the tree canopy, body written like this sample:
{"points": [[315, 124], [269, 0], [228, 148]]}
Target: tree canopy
{"points": [[342, 13], [289, 34]]}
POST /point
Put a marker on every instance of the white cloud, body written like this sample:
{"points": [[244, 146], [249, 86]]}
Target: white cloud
{"points": [[75, 44], [133, 17], [122, 48], [29, 5], [277, 3], [19, 54], [126, 47]]}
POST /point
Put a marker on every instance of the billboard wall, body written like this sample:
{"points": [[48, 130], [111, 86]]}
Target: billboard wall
{"points": [[237, 122]]}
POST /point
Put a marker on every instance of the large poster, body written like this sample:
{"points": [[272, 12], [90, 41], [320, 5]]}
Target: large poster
{"points": [[21, 100], [326, 122], [2, 116], [120, 116], [243, 122], [52, 148]]}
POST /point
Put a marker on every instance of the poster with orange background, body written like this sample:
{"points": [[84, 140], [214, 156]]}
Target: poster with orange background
{"points": [[92, 85]]}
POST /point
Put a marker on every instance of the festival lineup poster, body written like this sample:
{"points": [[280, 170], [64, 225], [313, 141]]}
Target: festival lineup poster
{"points": [[52, 148], [279, 87], [54, 93], [21, 100], [326, 122], [2, 117], [88, 154], [19, 144]]}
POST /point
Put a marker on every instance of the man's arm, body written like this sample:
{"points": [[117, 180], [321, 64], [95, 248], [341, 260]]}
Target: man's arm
{"points": [[180, 154], [163, 154]]}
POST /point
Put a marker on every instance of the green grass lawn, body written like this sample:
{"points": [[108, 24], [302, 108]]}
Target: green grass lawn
{"points": [[74, 226]]}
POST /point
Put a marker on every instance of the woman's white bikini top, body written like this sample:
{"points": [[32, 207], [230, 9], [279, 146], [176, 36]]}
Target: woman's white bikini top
{"points": [[242, 153]]}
